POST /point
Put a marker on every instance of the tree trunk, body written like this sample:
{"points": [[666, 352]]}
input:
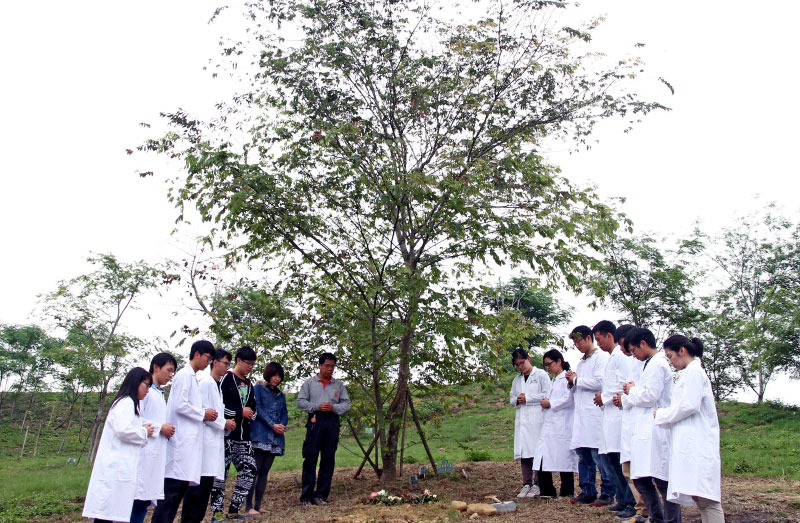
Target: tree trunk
{"points": [[38, 435], [69, 424], [395, 413], [98, 418]]}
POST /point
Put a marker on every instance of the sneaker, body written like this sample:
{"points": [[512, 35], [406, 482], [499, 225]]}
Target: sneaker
{"points": [[583, 498], [639, 519], [534, 492], [523, 492], [616, 507], [320, 501], [305, 503], [627, 513], [603, 501], [217, 517], [236, 515]]}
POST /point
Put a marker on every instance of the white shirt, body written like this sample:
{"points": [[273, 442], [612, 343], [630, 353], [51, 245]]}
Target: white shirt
{"points": [[153, 456], [529, 416], [213, 431], [185, 412], [588, 417], [614, 378], [553, 451]]}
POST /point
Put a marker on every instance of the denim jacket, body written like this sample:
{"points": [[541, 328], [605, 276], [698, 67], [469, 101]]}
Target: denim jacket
{"points": [[271, 407]]}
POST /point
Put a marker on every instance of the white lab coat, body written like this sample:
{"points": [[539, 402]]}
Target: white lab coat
{"points": [[153, 456], [185, 413], [529, 416], [113, 482], [628, 418], [650, 448], [213, 431], [552, 452], [694, 467], [614, 378], [588, 417]]}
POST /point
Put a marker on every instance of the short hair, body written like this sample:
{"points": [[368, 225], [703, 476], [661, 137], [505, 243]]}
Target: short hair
{"points": [[326, 356], [246, 353], [622, 332], [555, 355], [519, 353], [605, 327], [271, 370], [693, 346], [161, 359], [583, 331], [201, 346], [221, 354], [637, 335]]}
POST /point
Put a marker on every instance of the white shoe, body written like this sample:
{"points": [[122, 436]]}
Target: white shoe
{"points": [[524, 491], [534, 492]]}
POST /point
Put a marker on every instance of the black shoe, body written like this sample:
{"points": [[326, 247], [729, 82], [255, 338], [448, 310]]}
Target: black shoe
{"points": [[583, 498], [617, 507], [320, 501], [628, 513], [603, 501]]}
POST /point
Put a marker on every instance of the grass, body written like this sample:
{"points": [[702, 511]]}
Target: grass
{"points": [[470, 423]]}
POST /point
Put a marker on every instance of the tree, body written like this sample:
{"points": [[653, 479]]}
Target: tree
{"points": [[651, 286], [757, 260], [27, 356], [722, 358], [384, 154], [89, 309]]}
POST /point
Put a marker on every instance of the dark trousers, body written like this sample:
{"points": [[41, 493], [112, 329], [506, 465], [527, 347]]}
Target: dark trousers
{"points": [[614, 469], [174, 490], [240, 453], [139, 510], [547, 488], [658, 511], [529, 476], [322, 438], [195, 501], [264, 461]]}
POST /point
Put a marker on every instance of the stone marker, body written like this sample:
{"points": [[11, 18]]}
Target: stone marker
{"points": [[483, 509]]}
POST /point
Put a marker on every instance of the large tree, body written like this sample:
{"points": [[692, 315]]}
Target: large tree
{"points": [[385, 152]]}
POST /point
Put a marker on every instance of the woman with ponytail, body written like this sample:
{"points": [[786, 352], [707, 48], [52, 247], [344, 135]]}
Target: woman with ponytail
{"points": [[113, 483], [694, 469]]}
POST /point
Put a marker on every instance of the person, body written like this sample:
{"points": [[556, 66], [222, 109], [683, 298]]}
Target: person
{"points": [[195, 501], [614, 378], [627, 424], [553, 452], [186, 413], [267, 431], [240, 406], [694, 466], [324, 399], [112, 485], [527, 390], [153, 457], [650, 444], [584, 384]]}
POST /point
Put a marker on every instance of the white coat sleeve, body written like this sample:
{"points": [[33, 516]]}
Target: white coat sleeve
{"points": [[184, 407], [145, 408], [611, 389], [647, 392], [543, 383], [560, 398], [691, 397], [594, 380], [207, 389], [126, 424], [513, 394]]}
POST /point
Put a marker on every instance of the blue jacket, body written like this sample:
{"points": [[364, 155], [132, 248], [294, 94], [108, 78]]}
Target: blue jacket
{"points": [[271, 407]]}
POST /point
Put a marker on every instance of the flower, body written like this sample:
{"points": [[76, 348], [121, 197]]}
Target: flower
{"points": [[373, 495]]}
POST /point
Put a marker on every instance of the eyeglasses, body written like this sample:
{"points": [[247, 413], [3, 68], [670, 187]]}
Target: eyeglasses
{"points": [[548, 363], [226, 364], [246, 362]]}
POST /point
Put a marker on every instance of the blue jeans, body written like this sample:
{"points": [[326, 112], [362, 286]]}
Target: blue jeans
{"points": [[589, 460], [614, 469]]}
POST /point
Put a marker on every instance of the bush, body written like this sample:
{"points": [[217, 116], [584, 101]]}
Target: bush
{"points": [[477, 455]]}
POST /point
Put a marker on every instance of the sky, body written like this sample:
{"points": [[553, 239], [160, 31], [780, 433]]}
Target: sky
{"points": [[79, 77]]}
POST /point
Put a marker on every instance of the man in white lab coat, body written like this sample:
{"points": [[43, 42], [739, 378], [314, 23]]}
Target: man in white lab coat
{"points": [[527, 391], [185, 411], [650, 444], [614, 378], [584, 383], [195, 501], [153, 456]]}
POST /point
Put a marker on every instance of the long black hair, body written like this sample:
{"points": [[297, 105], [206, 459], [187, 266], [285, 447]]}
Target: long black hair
{"points": [[130, 386]]}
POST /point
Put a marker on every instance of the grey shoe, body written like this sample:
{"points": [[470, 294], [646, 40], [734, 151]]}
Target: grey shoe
{"points": [[320, 501], [627, 513]]}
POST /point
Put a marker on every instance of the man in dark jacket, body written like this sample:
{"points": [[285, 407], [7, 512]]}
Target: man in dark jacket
{"points": [[240, 406]]}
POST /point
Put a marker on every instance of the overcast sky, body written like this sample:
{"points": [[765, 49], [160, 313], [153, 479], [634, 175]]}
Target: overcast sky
{"points": [[78, 77]]}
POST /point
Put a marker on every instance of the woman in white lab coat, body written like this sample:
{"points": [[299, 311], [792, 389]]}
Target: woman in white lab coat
{"points": [[113, 482], [552, 452], [527, 391], [694, 467]]}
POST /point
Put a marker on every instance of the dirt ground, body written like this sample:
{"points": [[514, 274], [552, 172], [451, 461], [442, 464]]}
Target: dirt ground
{"points": [[744, 500]]}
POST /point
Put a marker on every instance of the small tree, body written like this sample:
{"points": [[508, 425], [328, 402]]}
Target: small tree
{"points": [[26, 357]]}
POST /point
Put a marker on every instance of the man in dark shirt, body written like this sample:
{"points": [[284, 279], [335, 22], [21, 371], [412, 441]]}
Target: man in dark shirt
{"points": [[240, 406]]}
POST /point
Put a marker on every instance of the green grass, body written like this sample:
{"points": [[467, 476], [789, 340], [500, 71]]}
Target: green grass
{"points": [[460, 423]]}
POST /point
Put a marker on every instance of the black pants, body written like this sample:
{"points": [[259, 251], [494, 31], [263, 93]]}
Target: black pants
{"points": [[547, 488], [264, 461], [322, 438], [174, 490], [195, 501], [657, 511]]}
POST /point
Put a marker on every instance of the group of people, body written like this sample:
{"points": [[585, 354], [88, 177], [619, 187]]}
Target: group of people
{"points": [[164, 453], [655, 444]]}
